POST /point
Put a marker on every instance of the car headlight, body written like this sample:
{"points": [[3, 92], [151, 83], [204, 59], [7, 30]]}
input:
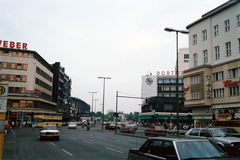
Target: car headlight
{"points": [[232, 144]]}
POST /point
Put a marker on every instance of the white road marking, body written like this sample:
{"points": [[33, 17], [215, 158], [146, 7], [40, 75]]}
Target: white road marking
{"points": [[72, 137], [52, 143], [122, 141], [88, 142], [67, 152], [113, 150]]}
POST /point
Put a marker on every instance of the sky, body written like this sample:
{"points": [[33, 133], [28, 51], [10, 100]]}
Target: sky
{"points": [[121, 39]]}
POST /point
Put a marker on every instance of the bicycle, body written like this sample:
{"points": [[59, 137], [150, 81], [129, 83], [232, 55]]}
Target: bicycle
{"points": [[9, 131]]}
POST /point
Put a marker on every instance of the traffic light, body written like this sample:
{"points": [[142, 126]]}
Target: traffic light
{"points": [[146, 101]]}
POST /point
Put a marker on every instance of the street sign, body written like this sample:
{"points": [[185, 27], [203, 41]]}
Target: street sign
{"points": [[20, 115], [3, 104]]}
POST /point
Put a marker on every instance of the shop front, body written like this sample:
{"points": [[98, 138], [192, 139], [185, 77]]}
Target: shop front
{"points": [[202, 116]]}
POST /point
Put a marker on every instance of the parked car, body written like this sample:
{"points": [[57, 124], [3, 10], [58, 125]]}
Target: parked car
{"points": [[177, 149], [233, 132], [127, 128], [172, 131], [49, 131], [220, 136], [72, 125], [155, 131]]}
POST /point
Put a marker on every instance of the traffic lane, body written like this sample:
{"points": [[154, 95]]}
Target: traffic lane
{"points": [[30, 147]]}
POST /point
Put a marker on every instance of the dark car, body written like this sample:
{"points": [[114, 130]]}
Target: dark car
{"points": [[220, 136], [233, 132], [177, 149]]}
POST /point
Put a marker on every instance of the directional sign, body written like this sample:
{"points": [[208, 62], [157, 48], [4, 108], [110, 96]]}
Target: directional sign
{"points": [[20, 115]]}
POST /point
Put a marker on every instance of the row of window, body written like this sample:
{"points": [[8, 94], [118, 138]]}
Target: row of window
{"points": [[13, 78], [216, 30], [233, 91], [15, 66], [43, 84], [165, 81], [172, 95], [216, 53], [171, 88], [13, 54], [44, 74]]}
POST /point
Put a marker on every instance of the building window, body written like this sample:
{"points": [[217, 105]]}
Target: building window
{"points": [[19, 54], [24, 78], [227, 25], [22, 104], [186, 57], [5, 53], [238, 20], [166, 81], [238, 45], [204, 35], [13, 65], [23, 90], [25, 55], [195, 59], [215, 30], [11, 77], [160, 81], [18, 78], [195, 79], [234, 91], [218, 76], [195, 94], [19, 66], [194, 39], [228, 48], [24, 66], [217, 52], [3, 77], [10, 89], [4, 65], [205, 56], [234, 72], [0, 53], [14, 54], [218, 93]]}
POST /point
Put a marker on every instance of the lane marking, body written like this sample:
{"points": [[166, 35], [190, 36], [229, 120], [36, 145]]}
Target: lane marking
{"points": [[72, 137], [52, 143], [113, 150], [67, 152], [121, 141], [88, 142]]}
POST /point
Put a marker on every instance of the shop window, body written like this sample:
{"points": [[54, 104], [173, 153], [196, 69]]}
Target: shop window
{"points": [[22, 104], [14, 54], [25, 55], [13, 65], [19, 54], [11, 77]]}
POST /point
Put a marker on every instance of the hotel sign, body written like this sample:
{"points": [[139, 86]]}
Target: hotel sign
{"points": [[12, 44]]}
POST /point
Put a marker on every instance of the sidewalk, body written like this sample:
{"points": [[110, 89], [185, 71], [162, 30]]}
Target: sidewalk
{"points": [[10, 150]]}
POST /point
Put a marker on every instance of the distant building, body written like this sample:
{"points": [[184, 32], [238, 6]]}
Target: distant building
{"points": [[109, 111], [81, 108]]}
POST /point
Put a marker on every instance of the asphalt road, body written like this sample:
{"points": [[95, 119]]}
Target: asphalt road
{"points": [[76, 144]]}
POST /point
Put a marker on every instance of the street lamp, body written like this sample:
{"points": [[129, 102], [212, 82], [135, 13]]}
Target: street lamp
{"points": [[103, 96], [168, 29], [95, 104], [92, 99], [171, 106]]}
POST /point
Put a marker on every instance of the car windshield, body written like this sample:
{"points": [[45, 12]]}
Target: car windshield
{"points": [[49, 127], [231, 130], [72, 123], [220, 133], [197, 149]]}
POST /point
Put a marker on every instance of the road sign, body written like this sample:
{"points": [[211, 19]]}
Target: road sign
{"points": [[20, 115]]}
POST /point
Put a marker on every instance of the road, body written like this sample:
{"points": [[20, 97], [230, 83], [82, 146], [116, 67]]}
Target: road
{"points": [[76, 144]]}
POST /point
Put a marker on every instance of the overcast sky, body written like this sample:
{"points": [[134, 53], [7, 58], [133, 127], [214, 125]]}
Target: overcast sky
{"points": [[121, 39]]}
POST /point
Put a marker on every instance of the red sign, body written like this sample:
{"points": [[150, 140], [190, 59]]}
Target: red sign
{"points": [[185, 89], [12, 44], [229, 83], [169, 73]]}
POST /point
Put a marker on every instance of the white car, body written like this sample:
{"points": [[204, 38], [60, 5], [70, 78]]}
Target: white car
{"points": [[49, 131], [72, 125]]}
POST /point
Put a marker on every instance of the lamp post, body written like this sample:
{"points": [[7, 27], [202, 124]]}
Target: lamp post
{"points": [[95, 105], [171, 106], [184, 32], [103, 96], [92, 99]]}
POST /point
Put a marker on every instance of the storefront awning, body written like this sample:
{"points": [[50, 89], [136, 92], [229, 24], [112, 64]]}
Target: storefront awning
{"points": [[175, 117], [147, 117]]}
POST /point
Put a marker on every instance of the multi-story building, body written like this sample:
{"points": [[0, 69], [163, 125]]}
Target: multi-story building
{"points": [[81, 108], [61, 93], [213, 79], [30, 81]]}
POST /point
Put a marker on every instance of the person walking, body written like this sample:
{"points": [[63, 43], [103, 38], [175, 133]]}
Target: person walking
{"points": [[33, 125]]}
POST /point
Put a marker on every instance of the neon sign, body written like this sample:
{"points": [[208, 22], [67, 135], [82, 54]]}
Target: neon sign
{"points": [[229, 83], [12, 44]]}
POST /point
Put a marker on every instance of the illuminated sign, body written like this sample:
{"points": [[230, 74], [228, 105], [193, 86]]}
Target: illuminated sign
{"points": [[185, 89], [12, 44], [31, 92], [229, 83], [168, 73]]}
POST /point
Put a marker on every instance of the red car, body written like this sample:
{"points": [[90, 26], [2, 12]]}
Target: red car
{"points": [[156, 131]]}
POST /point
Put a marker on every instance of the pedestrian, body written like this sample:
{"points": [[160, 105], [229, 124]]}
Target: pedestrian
{"points": [[13, 124], [33, 125], [20, 124]]}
